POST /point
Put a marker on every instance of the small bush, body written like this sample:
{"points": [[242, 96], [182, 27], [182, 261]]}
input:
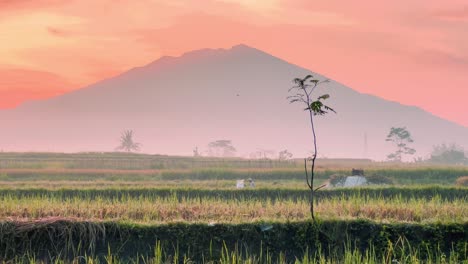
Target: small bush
{"points": [[377, 179], [462, 181], [337, 180]]}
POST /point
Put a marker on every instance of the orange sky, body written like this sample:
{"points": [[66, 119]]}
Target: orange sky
{"points": [[411, 51]]}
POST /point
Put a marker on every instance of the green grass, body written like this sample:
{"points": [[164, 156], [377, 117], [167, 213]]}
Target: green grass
{"points": [[259, 242], [236, 256], [399, 176], [220, 190]]}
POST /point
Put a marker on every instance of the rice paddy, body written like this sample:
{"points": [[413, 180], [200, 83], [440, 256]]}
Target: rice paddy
{"points": [[61, 188], [177, 208]]}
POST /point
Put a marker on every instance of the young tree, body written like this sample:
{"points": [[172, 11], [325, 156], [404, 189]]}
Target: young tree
{"points": [[222, 148], [127, 143], [302, 93], [401, 137]]}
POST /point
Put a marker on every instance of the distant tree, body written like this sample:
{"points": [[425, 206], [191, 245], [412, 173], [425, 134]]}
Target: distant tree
{"points": [[258, 154], [448, 154], [284, 155], [401, 137], [221, 148], [255, 155], [265, 153], [302, 93], [196, 153], [126, 142]]}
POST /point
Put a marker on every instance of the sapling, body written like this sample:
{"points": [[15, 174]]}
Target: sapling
{"points": [[302, 90]]}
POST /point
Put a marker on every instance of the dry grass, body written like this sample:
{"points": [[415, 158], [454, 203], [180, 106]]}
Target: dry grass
{"points": [[158, 210], [76, 171], [125, 184], [462, 181]]}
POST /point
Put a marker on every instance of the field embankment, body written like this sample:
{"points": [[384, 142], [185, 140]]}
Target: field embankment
{"points": [[199, 242]]}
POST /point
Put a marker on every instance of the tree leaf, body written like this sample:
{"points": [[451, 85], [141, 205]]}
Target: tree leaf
{"points": [[325, 96], [329, 109]]}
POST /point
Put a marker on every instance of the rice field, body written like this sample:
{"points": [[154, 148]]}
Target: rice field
{"points": [[209, 208], [98, 184], [394, 175], [42, 193]]}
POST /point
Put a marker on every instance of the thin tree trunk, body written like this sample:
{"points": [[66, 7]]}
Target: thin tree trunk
{"points": [[312, 194]]}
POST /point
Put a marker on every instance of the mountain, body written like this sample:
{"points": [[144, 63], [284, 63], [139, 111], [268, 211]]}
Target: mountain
{"points": [[176, 103]]}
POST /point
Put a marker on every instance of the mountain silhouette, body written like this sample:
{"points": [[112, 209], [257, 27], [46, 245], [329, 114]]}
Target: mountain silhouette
{"points": [[176, 103]]}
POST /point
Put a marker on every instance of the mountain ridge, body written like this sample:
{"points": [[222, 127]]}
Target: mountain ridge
{"points": [[238, 93]]}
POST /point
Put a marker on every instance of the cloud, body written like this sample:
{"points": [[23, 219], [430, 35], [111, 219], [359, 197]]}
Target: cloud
{"points": [[442, 58], [31, 80], [14, 98], [11, 8], [458, 14], [201, 30], [58, 32], [26, 4], [19, 85]]}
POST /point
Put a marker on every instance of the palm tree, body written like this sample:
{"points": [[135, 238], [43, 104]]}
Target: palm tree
{"points": [[127, 143]]}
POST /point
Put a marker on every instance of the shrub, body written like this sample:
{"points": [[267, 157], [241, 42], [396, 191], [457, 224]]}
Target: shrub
{"points": [[377, 179], [337, 180], [462, 181]]}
